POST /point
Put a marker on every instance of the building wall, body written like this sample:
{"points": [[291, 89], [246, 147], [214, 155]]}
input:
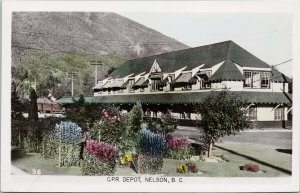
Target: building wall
{"points": [[231, 85]]}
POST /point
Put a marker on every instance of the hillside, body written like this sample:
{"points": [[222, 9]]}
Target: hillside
{"points": [[48, 46], [97, 33]]}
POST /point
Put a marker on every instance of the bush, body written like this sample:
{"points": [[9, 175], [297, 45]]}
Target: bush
{"points": [[181, 169], [126, 159], [110, 128], [133, 126], [166, 125], [151, 144], [151, 151], [29, 134], [99, 159], [64, 144], [251, 167], [179, 148], [192, 167]]}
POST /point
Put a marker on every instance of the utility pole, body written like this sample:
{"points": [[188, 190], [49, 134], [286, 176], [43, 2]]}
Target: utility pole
{"points": [[72, 81], [96, 63]]}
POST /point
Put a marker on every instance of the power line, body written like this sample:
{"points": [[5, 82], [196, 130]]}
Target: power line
{"points": [[282, 62]]}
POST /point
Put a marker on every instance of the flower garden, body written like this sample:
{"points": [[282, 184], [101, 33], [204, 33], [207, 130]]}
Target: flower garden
{"points": [[116, 142]]}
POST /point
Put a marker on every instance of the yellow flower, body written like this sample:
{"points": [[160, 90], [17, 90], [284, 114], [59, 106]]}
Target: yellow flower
{"points": [[127, 157], [181, 169]]}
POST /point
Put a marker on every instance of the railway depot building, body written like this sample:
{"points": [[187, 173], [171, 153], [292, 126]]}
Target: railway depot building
{"points": [[179, 80]]}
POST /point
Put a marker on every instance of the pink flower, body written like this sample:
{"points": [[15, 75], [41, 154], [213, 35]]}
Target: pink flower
{"points": [[177, 142], [100, 150]]}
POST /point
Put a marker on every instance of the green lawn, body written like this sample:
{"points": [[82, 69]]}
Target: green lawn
{"points": [[271, 162], [29, 161]]}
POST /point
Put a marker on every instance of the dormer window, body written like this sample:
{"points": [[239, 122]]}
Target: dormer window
{"points": [[257, 79], [265, 80], [130, 84], [155, 85]]}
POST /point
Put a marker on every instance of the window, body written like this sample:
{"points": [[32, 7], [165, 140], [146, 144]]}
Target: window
{"points": [[147, 113], [155, 85], [171, 85], [265, 79], [278, 114], [248, 81], [188, 115], [204, 84], [257, 79], [130, 84], [108, 91], [252, 113], [154, 114], [182, 115], [187, 87]]}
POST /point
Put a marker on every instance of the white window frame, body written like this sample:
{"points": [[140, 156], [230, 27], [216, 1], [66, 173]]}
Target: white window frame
{"points": [[278, 114]]}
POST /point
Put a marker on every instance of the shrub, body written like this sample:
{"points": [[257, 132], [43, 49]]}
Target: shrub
{"points": [[30, 134], [192, 167], [99, 159], [151, 151], [166, 125], [135, 118], [181, 169], [179, 148], [251, 167], [133, 126], [100, 150], [110, 128], [64, 144], [151, 144], [126, 158]]}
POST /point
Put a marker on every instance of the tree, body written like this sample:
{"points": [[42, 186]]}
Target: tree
{"points": [[82, 113], [135, 118], [222, 113], [16, 105], [33, 108]]}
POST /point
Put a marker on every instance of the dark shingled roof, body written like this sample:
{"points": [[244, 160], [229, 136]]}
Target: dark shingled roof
{"points": [[188, 97], [227, 71], [183, 78], [279, 77], [209, 55]]}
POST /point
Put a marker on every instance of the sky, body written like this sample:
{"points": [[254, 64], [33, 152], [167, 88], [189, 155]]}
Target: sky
{"points": [[269, 36]]}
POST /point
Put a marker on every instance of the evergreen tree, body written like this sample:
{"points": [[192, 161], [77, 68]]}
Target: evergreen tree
{"points": [[33, 108], [16, 105]]}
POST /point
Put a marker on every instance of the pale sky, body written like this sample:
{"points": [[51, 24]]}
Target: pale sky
{"points": [[266, 35]]}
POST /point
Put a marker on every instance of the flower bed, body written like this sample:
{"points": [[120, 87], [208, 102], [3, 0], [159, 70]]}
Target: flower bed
{"points": [[99, 159], [179, 148]]}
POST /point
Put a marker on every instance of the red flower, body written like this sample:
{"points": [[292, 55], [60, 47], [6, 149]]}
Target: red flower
{"points": [[251, 167], [100, 150], [177, 142]]}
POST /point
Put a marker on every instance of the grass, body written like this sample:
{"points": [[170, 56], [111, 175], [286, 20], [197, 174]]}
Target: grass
{"points": [[34, 161], [272, 163]]}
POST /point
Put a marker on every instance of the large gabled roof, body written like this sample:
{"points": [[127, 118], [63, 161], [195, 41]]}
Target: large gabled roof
{"points": [[208, 55]]}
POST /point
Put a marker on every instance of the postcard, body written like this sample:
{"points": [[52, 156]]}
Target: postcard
{"points": [[150, 96]]}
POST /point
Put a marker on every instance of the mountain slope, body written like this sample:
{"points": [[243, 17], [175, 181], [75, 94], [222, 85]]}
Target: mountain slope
{"points": [[86, 32]]}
